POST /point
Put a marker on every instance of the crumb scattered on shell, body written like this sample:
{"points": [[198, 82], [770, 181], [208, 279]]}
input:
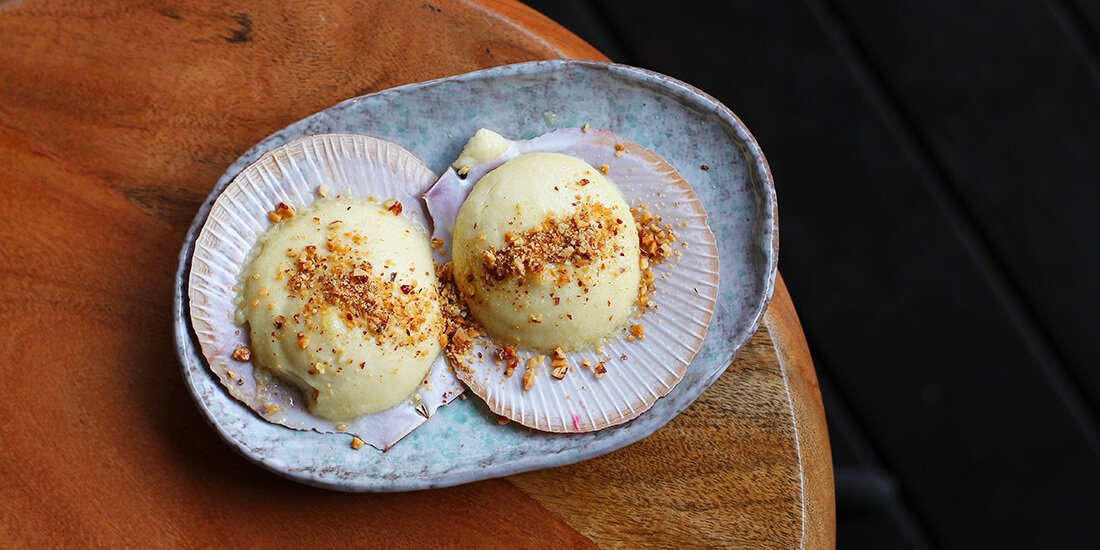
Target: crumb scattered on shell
{"points": [[559, 366], [507, 356], [284, 210], [600, 370], [357, 443], [530, 371], [242, 353], [655, 240]]}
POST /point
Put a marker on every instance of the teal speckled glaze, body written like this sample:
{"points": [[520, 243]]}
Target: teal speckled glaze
{"points": [[462, 442]]}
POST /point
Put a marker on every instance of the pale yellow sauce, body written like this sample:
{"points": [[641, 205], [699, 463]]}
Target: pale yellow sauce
{"points": [[330, 343], [537, 310]]}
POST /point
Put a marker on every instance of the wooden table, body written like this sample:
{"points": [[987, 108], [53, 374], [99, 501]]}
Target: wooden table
{"points": [[115, 121]]}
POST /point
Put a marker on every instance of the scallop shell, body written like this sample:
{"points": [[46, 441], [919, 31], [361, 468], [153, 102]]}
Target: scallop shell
{"points": [[350, 165], [638, 372]]}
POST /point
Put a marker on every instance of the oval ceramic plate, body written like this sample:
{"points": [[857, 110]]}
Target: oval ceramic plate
{"points": [[463, 442]]}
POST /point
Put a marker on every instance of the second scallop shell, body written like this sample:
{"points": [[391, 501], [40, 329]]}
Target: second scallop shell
{"points": [[638, 372]]}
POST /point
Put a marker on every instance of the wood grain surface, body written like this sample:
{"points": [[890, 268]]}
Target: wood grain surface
{"points": [[116, 118]]}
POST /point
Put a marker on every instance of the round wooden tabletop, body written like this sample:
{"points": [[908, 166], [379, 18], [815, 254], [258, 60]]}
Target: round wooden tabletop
{"points": [[116, 119]]}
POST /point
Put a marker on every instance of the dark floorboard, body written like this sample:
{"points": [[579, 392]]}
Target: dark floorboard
{"points": [[937, 171], [1013, 123]]}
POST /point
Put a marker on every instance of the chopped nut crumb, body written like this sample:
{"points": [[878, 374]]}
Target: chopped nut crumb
{"points": [[357, 443], [463, 170], [271, 409], [507, 356], [586, 364], [655, 241], [322, 190], [284, 210], [704, 167], [394, 206], [604, 169], [529, 374], [458, 330], [303, 341], [437, 242], [638, 331], [274, 217], [242, 353], [600, 370], [558, 363], [585, 128], [502, 420]]}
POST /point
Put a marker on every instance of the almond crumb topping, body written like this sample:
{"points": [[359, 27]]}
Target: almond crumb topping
{"points": [[604, 169], [638, 331], [357, 443], [530, 370], [284, 210], [581, 239], [655, 240], [394, 206], [600, 370], [322, 190], [507, 356], [364, 295], [458, 330], [242, 353], [558, 363]]}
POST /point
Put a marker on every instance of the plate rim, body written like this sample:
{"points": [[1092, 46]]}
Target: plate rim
{"points": [[186, 341]]}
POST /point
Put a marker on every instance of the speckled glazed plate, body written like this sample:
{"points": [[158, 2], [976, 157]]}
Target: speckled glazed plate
{"points": [[463, 442]]}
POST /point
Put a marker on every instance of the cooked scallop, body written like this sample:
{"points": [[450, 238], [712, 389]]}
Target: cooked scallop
{"points": [[313, 290], [588, 271]]}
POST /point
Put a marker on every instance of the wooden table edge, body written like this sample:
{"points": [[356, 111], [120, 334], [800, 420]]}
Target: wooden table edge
{"points": [[811, 432]]}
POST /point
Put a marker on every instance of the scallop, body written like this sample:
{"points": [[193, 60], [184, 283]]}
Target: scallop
{"points": [[369, 173], [534, 230]]}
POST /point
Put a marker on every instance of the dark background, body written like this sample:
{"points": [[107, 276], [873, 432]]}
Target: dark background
{"points": [[938, 171]]}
